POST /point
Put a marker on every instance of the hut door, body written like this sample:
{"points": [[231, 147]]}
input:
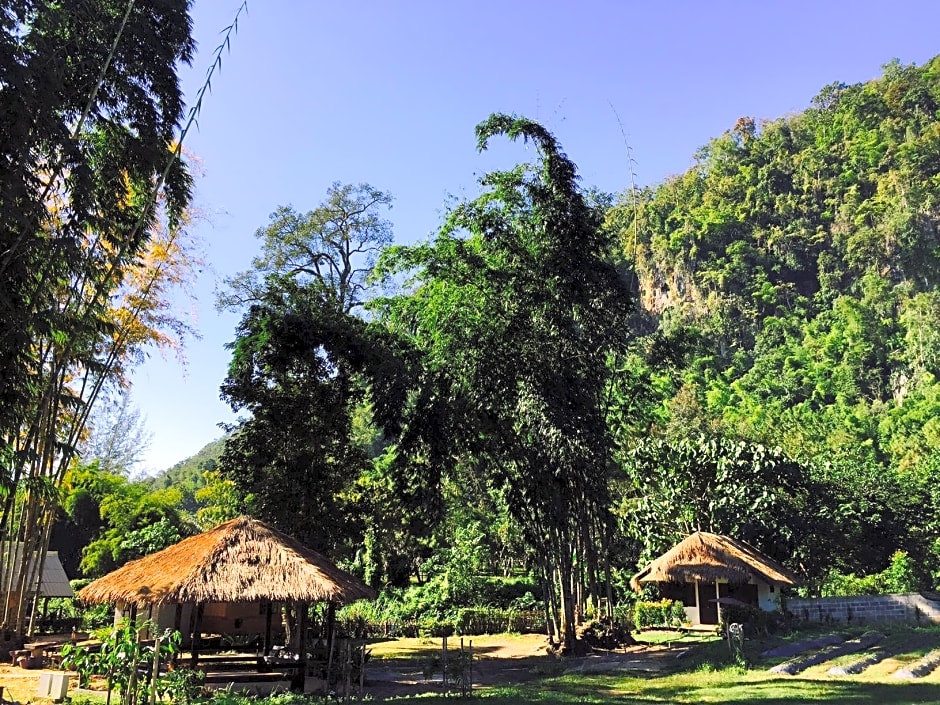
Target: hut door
{"points": [[707, 607]]}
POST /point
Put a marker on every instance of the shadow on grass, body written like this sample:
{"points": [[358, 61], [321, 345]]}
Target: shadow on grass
{"points": [[772, 692]]}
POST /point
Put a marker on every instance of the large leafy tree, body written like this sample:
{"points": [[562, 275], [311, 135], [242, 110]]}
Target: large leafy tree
{"points": [[91, 103], [516, 309], [301, 364], [109, 520], [754, 493]]}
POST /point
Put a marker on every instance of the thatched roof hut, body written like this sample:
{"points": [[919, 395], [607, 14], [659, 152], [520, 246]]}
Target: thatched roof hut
{"points": [[242, 560], [710, 558]]}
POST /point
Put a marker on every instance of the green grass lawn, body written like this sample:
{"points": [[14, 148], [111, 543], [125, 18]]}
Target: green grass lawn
{"points": [[704, 676], [725, 686]]}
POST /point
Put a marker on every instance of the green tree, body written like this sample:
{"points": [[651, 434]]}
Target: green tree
{"points": [[93, 199], [702, 483], [118, 435], [516, 309], [109, 520], [298, 366]]}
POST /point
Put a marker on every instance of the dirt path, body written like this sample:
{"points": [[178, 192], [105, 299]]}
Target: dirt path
{"points": [[402, 667], [21, 684]]}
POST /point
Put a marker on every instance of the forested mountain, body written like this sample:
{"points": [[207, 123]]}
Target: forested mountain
{"points": [[188, 475], [794, 270]]}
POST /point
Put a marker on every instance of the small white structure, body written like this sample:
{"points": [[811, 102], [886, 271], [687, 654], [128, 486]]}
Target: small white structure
{"points": [[707, 570], [52, 583], [53, 685]]}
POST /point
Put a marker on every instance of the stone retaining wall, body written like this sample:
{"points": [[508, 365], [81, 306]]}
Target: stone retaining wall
{"points": [[866, 609]]}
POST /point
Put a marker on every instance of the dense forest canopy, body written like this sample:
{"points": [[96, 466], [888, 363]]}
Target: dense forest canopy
{"points": [[562, 383], [796, 265]]}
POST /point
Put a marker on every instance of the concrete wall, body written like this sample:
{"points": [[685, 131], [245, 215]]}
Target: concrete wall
{"points": [[866, 609]]}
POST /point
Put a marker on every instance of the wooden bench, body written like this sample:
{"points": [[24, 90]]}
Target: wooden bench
{"points": [[229, 662], [215, 677]]}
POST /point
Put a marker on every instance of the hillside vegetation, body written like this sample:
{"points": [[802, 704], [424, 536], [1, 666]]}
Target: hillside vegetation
{"points": [[794, 270]]}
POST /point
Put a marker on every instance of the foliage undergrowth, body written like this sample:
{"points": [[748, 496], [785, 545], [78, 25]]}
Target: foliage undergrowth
{"points": [[664, 613], [495, 606], [899, 577]]}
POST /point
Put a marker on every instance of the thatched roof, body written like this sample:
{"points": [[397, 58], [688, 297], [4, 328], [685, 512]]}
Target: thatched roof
{"points": [[710, 557], [243, 560]]}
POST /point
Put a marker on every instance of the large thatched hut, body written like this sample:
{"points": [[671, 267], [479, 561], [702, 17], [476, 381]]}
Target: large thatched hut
{"points": [[705, 570], [227, 580]]}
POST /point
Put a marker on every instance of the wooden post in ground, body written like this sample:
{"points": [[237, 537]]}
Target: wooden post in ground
{"points": [[347, 671], [156, 669], [444, 662], [197, 633], [329, 663], [362, 669], [267, 627], [300, 673]]}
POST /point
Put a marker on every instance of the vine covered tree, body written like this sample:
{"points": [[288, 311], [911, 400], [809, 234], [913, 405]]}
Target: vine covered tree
{"points": [[300, 365]]}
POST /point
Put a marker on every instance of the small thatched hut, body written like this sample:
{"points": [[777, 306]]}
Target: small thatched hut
{"points": [[705, 569], [225, 581]]}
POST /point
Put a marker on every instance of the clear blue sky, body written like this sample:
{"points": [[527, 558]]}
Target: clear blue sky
{"points": [[389, 93]]}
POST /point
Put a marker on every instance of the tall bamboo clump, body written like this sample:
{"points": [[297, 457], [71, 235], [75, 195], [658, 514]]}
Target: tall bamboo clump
{"points": [[103, 253]]}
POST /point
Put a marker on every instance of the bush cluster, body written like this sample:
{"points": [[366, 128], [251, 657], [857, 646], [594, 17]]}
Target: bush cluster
{"points": [[754, 619], [663, 613], [500, 605], [899, 577]]}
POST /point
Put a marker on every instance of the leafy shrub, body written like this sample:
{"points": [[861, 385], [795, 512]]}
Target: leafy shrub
{"points": [[605, 633], [505, 592], [664, 613], [436, 628], [120, 656], [899, 577], [625, 613], [755, 620], [510, 605], [228, 696], [471, 621]]}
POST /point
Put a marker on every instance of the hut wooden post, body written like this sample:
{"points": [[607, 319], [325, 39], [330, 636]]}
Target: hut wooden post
{"points": [[155, 674], [197, 632], [330, 621], [300, 645], [267, 627], [717, 601]]}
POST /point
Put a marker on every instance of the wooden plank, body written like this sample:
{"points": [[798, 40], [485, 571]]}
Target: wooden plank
{"points": [[244, 677]]}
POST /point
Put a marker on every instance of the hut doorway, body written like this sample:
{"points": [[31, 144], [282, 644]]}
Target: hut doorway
{"points": [[746, 593], [707, 606]]}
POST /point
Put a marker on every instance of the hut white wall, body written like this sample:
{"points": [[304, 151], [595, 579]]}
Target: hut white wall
{"points": [[165, 617], [691, 611], [768, 597]]}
